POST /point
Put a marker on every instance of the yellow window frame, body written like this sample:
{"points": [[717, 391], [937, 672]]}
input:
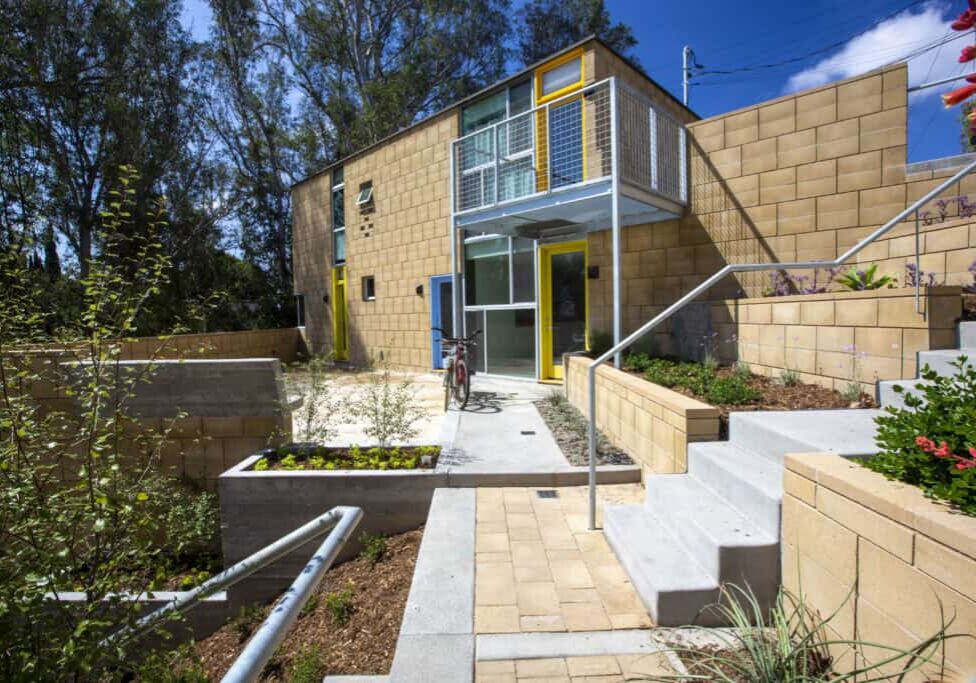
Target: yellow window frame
{"points": [[548, 369], [549, 66]]}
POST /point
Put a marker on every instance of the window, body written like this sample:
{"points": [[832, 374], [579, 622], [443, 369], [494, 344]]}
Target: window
{"points": [[496, 107], [499, 271], [365, 196], [561, 76], [338, 217], [369, 288]]}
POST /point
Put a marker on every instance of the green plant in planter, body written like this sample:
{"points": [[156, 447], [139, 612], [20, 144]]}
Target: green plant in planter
{"points": [[859, 280], [931, 443], [730, 390], [340, 605], [374, 546]]}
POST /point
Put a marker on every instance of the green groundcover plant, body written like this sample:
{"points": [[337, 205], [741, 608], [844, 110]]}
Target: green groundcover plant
{"points": [[700, 379], [85, 504], [352, 458], [931, 442]]}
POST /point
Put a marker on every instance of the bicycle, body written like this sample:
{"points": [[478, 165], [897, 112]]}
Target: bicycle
{"points": [[457, 377]]}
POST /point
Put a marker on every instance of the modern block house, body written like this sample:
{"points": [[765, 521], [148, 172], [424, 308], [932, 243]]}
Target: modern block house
{"points": [[566, 205]]}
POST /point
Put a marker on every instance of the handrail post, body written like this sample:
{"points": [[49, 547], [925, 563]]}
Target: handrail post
{"points": [[615, 216], [918, 268]]}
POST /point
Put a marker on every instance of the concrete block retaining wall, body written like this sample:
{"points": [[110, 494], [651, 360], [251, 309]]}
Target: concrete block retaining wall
{"points": [[835, 338], [890, 552], [286, 344], [653, 424], [257, 508]]}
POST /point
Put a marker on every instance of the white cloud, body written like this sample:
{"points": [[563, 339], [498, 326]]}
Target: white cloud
{"points": [[891, 40]]}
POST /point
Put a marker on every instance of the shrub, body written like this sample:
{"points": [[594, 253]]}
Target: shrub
{"points": [[742, 369], [930, 443], [789, 378], [637, 362], [691, 376], [339, 605], [374, 546], [789, 643], [389, 412], [601, 341], [730, 391], [321, 407], [859, 280], [309, 666]]}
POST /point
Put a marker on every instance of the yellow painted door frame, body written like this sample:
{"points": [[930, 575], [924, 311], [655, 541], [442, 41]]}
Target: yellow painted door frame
{"points": [[340, 314], [548, 369]]}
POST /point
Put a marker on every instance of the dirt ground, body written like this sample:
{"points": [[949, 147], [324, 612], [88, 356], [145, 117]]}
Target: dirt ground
{"points": [[362, 645]]}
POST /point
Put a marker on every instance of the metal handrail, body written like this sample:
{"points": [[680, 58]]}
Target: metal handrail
{"points": [[743, 268], [339, 522]]}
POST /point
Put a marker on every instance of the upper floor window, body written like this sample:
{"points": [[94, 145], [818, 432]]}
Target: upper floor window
{"points": [[496, 107], [560, 76], [338, 217]]}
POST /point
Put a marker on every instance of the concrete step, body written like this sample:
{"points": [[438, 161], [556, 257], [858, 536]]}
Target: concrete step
{"points": [[967, 335], [887, 396], [673, 586], [941, 361], [752, 484], [773, 434], [726, 544]]}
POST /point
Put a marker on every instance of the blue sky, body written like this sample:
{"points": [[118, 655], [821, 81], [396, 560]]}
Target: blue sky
{"points": [[811, 43]]}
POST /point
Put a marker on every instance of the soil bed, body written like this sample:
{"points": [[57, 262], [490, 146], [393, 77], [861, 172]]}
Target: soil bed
{"points": [[568, 426], [311, 457], [318, 644], [773, 394]]}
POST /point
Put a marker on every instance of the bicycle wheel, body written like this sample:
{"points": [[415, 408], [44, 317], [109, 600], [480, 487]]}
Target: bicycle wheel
{"points": [[462, 383], [448, 385]]}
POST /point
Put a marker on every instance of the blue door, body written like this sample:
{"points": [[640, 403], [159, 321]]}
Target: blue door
{"points": [[441, 315]]}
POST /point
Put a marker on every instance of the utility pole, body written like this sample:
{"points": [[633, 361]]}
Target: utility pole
{"points": [[687, 58]]}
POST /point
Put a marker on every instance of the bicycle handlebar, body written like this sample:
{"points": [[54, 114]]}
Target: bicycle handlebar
{"points": [[454, 340]]}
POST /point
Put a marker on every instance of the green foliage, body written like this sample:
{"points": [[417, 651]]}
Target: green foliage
{"points": [[852, 392], [339, 604], [788, 378], [556, 398], [387, 409], [374, 546], [858, 280], [247, 620], [547, 26], [944, 410], [637, 362], [742, 370], [700, 379], [309, 666], [790, 643], [180, 665], [601, 341], [321, 405], [731, 390], [85, 506], [353, 458]]}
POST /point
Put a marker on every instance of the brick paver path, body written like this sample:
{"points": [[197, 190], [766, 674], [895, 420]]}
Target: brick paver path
{"points": [[538, 568], [604, 669]]}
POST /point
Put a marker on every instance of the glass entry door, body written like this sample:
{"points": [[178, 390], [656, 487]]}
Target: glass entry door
{"points": [[563, 304]]}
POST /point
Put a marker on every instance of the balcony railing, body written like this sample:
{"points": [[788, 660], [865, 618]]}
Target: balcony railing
{"points": [[568, 142]]}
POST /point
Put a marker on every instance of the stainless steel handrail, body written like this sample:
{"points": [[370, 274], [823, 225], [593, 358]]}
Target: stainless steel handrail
{"points": [[340, 522], [715, 278]]}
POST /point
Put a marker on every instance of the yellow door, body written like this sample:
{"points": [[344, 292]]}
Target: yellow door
{"points": [[340, 320], [563, 304]]}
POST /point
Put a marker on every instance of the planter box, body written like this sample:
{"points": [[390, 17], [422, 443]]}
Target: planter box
{"points": [[652, 423], [257, 508], [848, 531]]}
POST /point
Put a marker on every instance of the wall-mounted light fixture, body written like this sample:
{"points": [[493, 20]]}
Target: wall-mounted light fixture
{"points": [[419, 289]]}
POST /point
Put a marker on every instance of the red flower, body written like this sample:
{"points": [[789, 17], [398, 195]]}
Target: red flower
{"points": [[965, 21], [958, 95], [942, 451], [968, 54]]}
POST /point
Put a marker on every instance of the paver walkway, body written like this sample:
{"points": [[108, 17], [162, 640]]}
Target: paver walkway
{"points": [[538, 567], [602, 669]]}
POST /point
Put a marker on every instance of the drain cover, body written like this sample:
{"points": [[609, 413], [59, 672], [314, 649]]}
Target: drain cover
{"points": [[527, 432], [547, 493]]}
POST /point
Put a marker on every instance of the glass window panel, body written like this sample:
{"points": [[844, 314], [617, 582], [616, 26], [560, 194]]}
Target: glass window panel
{"points": [[561, 76], [568, 304], [475, 320], [523, 270], [339, 246], [337, 176], [510, 342], [338, 209], [486, 267], [445, 320], [484, 112], [520, 98]]}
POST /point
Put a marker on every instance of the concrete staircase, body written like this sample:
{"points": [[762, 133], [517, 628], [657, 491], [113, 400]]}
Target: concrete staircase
{"points": [[720, 522], [940, 361]]}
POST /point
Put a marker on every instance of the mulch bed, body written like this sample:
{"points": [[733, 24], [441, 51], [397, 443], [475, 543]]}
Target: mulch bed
{"points": [[568, 426], [363, 645], [776, 396]]}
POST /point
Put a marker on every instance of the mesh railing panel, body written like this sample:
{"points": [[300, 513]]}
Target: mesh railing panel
{"points": [[652, 154]]}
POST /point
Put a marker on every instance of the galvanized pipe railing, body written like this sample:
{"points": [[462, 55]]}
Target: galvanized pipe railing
{"points": [[741, 268], [339, 522]]}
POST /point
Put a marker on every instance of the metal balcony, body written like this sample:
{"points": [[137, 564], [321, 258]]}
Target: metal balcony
{"points": [[550, 169]]}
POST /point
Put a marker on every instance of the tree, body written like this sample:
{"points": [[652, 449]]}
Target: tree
{"points": [[368, 68], [547, 26]]}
